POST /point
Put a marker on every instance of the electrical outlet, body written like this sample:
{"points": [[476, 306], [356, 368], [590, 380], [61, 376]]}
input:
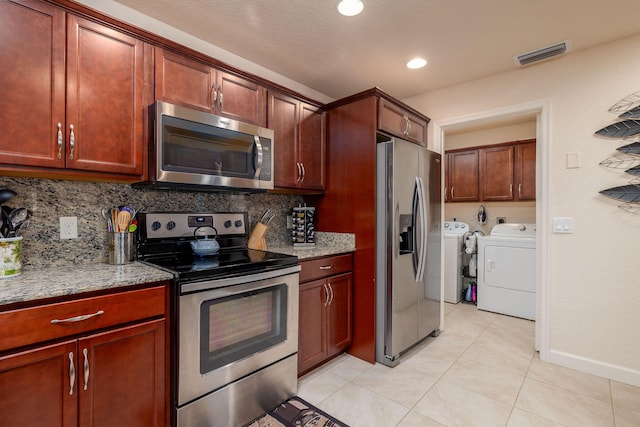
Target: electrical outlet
{"points": [[501, 220], [68, 227]]}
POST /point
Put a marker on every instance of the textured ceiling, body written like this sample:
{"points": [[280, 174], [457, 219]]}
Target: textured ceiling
{"points": [[309, 42]]}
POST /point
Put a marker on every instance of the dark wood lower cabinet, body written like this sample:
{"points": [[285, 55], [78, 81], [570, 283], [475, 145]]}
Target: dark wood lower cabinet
{"points": [[115, 378], [91, 362], [325, 315]]}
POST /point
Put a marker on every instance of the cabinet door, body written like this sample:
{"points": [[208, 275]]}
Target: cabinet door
{"points": [[397, 121], [121, 377], [312, 341], [38, 387], [284, 112], [463, 176], [32, 83], [526, 171], [311, 147], [496, 173], [183, 81], [339, 317], [241, 99], [105, 115]]}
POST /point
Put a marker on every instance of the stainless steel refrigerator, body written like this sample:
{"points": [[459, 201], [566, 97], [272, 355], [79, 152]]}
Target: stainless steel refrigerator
{"points": [[408, 250]]}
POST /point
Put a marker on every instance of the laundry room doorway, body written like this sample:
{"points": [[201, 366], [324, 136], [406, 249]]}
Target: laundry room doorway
{"points": [[516, 123]]}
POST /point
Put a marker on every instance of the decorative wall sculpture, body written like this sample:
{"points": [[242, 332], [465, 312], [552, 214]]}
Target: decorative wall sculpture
{"points": [[628, 158]]}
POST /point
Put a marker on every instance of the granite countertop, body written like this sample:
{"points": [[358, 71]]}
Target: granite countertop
{"points": [[49, 282], [41, 283], [327, 244]]}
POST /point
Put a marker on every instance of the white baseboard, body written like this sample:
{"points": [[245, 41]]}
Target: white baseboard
{"points": [[595, 367]]}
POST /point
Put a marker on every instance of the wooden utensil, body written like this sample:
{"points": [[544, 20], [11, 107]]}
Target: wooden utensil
{"points": [[123, 221]]}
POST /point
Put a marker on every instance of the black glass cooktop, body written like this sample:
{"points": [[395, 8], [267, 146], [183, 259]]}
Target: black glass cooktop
{"points": [[227, 263]]}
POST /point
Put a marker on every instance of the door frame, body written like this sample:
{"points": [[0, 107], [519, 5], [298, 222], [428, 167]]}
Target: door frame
{"points": [[541, 110]]}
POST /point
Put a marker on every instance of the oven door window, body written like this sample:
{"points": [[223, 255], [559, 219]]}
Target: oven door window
{"points": [[238, 326], [202, 149]]}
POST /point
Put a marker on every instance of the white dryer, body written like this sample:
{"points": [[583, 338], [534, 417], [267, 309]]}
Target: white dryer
{"points": [[507, 270], [453, 232]]}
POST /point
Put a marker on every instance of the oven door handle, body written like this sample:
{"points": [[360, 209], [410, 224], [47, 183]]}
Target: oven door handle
{"points": [[225, 285], [258, 157]]}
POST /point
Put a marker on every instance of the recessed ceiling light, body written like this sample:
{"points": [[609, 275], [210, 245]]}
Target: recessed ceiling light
{"points": [[416, 63], [350, 7]]}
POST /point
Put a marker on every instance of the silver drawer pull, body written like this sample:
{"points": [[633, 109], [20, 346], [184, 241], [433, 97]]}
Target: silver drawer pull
{"points": [[72, 142], [59, 140], [326, 267], [86, 368], [78, 318], [72, 374]]}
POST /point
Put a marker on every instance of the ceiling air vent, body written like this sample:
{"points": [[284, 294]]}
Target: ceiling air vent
{"points": [[542, 54]]}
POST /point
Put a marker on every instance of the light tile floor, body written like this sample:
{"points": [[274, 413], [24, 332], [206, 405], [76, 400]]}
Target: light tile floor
{"points": [[481, 371]]}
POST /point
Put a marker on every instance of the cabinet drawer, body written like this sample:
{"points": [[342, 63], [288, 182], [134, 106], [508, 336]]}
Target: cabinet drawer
{"points": [[324, 267], [52, 321]]}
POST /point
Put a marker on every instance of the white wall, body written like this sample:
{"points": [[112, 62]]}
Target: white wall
{"points": [[593, 277]]}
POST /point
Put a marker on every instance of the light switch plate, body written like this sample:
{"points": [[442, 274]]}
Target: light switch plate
{"points": [[563, 225], [573, 160]]}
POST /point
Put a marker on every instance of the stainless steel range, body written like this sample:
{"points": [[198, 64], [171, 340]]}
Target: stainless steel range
{"points": [[234, 317]]}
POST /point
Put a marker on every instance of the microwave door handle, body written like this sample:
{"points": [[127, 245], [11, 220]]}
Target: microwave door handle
{"points": [[258, 156]]}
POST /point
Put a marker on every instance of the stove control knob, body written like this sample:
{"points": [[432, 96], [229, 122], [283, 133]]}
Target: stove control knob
{"points": [[238, 223], [171, 225], [155, 225], [227, 223]]}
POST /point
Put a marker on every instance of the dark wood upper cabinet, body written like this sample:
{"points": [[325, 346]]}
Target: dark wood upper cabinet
{"points": [[500, 172], [191, 83], [32, 83], [496, 173], [73, 92], [525, 170], [299, 143], [397, 121], [463, 178]]}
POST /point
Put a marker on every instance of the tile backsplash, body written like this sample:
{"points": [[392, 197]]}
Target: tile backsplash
{"points": [[47, 200]]}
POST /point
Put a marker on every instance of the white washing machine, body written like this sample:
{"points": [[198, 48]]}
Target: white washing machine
{"points": [[507, 270], [453, 232]]}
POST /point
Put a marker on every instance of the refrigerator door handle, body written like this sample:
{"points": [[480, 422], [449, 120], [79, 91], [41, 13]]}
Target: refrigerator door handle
{"points": [[421, 228]]}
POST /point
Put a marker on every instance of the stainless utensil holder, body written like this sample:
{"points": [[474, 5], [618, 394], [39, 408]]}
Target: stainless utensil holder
{"points": [[121, 247]]}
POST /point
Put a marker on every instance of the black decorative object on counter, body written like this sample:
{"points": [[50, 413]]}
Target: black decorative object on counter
{"points": [[628, 157]]}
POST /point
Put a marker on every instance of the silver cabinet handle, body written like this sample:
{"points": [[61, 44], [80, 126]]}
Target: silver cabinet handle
{"points": [[59, 140], [77, 318], [446, 194], [220, 99], [451, 193], [72, 374], [510, 190], [326, 267], [304, 172], [214, 96], [86, 368], [299, 172], [519, 190], [72, 142], [326, 295], [331, 292]]}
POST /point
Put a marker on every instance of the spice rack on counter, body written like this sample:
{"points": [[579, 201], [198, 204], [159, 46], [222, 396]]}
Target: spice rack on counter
{"points": [[303, 233]]}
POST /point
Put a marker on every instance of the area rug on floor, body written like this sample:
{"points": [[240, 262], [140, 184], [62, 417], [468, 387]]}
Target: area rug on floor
{"points": [[296, 412]]}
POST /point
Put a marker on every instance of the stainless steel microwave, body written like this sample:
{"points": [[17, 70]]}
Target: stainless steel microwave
{"points": [[200, 151]]}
